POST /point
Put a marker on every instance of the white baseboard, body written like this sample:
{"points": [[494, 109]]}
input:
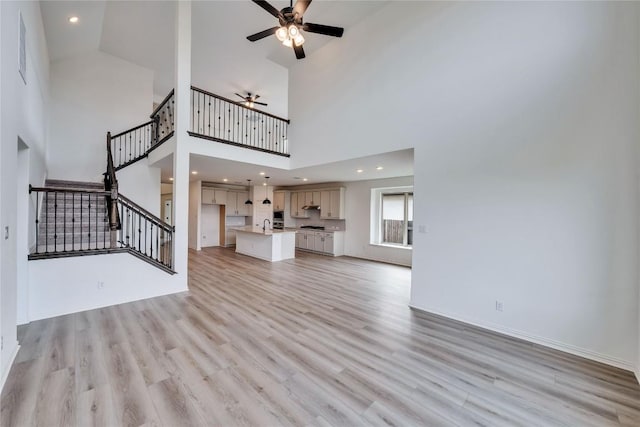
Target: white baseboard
{"points": [[557, 345], [5, 375]]}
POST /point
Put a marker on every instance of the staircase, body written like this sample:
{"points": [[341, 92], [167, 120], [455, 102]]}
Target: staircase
{"points": [[73, 217], [88, 218]]}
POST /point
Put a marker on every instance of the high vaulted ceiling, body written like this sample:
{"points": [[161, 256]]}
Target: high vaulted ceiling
{"points": [[142, 32], [223, 61]]}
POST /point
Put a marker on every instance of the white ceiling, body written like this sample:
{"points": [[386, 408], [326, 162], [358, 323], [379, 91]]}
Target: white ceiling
{"points": [[64, 39], [395, 164], [142, 32]]}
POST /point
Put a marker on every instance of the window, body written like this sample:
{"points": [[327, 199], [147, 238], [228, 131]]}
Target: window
{"points": [[392, 216]]}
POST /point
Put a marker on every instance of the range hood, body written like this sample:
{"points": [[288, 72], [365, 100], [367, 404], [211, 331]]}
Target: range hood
{"points": [[310, 207]]}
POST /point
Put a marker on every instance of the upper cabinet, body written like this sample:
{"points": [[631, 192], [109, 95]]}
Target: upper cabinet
{"points": [[233, 200], [332, 204], [297, 202], [278, 200], [312, 198], [241, 207], [212, 196], [235, 203]]}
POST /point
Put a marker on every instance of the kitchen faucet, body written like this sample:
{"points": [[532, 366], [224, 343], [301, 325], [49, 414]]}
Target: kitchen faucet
{"points": [[264, 224]]}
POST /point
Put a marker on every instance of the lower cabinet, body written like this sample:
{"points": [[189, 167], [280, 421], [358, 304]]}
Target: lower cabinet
{"points": [[329, 243], [230, 237]]}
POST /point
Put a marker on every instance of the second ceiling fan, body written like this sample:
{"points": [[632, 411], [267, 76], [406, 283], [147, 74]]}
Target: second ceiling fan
{"points": [[289, 32]]}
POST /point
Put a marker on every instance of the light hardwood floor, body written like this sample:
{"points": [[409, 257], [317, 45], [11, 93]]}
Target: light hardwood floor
{"points": [[311, 341]]}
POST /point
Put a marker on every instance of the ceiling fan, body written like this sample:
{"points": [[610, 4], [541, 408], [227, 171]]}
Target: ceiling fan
{"points": [[250, 100], [289, 32]]}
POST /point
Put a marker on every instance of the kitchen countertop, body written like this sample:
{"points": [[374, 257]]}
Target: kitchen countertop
{"points": [[259, 230]]}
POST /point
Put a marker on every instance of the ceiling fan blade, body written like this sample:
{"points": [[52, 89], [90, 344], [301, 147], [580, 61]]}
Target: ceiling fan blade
{"points": [[240, 95], [299, 51], [256, 96], [259, 103], [266, 6], [301, 6], [262, 34], [327, 30]]}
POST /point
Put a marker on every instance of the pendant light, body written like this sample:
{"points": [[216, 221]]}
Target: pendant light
{"points": [[249, 202], [266, 200]]}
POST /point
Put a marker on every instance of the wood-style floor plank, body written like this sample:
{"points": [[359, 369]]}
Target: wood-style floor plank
{"points": [[313, 341]]}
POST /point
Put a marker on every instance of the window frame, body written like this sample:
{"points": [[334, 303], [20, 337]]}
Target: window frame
{"points": [[377, 215]]}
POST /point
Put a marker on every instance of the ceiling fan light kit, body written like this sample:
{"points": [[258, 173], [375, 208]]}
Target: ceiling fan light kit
{"points": [[289, 32], [250, 100]]}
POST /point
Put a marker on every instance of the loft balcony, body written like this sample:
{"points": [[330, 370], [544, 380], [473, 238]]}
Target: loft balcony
{"points": [[219, 119]]}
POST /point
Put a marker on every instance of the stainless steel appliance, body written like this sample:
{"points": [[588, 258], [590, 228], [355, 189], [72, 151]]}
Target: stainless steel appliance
{"points": [[278, 220]]}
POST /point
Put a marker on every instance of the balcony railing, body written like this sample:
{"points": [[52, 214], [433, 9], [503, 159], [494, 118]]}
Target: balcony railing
{"points": [[223, 120]]}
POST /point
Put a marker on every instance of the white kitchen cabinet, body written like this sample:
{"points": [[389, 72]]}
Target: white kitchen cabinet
{"points": [[312, 198], [297, 202], [242, 208], [208, 196], [332, 204], [328, 243], [301, 239], [212, 196], [278, 200], [230, 237], [235, 203], [318, 242], [232, 199]]}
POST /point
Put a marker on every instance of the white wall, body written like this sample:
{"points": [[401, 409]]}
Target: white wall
{"points": [[53, 291], [24, 115], [141, 183], [92, 94], [237, 67], [358, 222], [524, 121]]}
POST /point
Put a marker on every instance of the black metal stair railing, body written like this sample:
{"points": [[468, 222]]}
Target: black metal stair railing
{"points": [[70, 221], [144, 233], [74, 222], [223, 120], [136, 143]]}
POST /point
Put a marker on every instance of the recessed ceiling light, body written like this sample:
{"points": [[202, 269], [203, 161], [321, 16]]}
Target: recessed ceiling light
{"points": [[264, 183], [194, 172], [170, 178], [379, 168], [261, 173], [360, 170], [73, 19], [225, 179], [305, 179]]}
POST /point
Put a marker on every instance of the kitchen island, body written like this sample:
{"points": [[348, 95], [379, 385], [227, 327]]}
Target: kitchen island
{"points": [[269, 245]]}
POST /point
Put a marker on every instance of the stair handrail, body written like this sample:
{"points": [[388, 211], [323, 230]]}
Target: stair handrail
{"points": [[160, 222], [67, 190], [159, 107], [144, 234]]}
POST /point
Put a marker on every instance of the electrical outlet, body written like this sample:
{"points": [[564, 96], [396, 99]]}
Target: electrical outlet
{"points": [[6, 233], [1, 343], [499, 306], [422, 229], [100, 285]]}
